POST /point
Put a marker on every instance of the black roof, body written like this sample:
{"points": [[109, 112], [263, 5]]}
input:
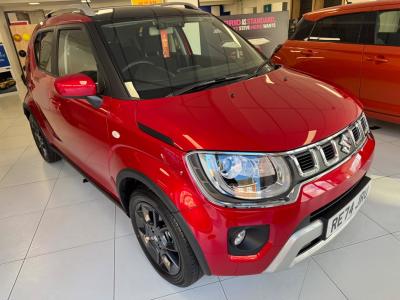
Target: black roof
{"points": [[143, 12]]}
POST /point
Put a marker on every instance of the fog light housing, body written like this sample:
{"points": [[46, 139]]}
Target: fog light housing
{"points": [[247, 240]]}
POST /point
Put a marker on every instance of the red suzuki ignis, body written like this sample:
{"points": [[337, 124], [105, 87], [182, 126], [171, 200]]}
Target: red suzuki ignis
{"points": [[226, 164]]}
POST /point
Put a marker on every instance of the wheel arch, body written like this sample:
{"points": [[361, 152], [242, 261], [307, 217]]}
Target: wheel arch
{"points": [[128, 180]]}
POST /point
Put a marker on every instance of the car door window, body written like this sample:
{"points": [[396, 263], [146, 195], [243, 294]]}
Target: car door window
{"points": [[43, 50], [75, 53], [303, 30], [388, 28], [338, 29]]}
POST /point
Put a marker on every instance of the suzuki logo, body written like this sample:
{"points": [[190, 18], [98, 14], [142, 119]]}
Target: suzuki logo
{"points": [[345, 143]]}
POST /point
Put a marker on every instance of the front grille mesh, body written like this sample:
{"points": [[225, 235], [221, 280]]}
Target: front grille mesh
{"points": [[306, 161], [329, 151]]}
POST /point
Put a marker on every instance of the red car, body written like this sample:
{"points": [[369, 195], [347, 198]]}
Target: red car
{"points": [[356, 47], [225, 164]]}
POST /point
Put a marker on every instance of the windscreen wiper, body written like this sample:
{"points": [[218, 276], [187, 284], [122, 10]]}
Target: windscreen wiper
{"points": [[259, 68], [205, 84]]}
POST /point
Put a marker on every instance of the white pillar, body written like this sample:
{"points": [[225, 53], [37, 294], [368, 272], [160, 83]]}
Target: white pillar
{"points": [[5, 38]]}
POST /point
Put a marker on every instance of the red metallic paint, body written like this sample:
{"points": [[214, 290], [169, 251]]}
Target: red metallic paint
{"points": [[370, 72], [76, 85], [279, 111]]}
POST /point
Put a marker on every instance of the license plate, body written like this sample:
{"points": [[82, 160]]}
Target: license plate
{"points": [[342, 217]]}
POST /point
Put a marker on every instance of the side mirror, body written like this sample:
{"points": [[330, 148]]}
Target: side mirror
{"points": [[78, 86]]}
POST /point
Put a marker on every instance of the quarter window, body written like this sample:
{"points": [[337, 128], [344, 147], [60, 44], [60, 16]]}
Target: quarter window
{"points": [[388, 28], [43, 50], [338, 29], [75, 54]]}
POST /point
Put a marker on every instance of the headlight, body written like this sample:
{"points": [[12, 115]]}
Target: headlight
{"points": [[242, 176]]}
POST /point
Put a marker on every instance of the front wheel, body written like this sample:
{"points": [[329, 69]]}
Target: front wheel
{"points": [[162, 239]]}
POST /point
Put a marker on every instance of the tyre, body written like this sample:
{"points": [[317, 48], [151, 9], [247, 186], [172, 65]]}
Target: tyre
{"points": [[43, 146], [162, 239]]}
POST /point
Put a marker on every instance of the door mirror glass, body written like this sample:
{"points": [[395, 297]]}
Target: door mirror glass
{"points": [[75, 86]]}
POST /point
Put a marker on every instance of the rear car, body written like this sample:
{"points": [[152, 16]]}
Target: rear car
{"points": [[355, 47], [226, 164]]}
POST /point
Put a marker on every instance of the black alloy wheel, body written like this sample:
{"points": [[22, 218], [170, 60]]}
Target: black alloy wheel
{"points": [[158, 238], [162, 239]]}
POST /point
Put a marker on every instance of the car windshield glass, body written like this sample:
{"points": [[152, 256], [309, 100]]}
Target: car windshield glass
{"points": [[163, 56]]}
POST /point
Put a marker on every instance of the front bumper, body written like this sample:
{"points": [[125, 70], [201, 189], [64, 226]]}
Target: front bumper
{"points": [[210, 224], [309, 239]]}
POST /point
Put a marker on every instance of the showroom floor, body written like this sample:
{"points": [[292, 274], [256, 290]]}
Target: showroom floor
{"points": [[60, 238]]}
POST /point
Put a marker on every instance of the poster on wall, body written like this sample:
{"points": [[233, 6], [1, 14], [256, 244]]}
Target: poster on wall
{"points": [[264, 31], [7, 83], [4, 62]]}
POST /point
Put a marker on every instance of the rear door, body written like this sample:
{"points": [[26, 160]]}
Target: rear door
{"points": [[381, 65], [41, 79], [333, 53]]}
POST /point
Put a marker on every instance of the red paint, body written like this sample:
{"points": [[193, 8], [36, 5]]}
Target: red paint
{"points": [[76, 85], [370, 72], [273, 112]]}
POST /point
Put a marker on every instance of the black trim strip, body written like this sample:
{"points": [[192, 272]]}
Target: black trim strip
{"points": [[156, 134]]}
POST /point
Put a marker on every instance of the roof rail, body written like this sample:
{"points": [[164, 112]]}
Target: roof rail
{"points": [[184, 4], [84, 10]]}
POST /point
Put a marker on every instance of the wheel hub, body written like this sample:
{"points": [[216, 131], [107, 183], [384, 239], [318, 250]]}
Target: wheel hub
{"points": [[157, 238]]}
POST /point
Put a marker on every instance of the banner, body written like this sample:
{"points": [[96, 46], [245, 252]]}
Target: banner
{"points": [[146, 2], [264, 31]]}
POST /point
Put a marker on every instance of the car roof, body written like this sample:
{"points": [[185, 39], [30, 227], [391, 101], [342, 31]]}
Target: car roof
{"points": [[352, 8], [121, 12]]}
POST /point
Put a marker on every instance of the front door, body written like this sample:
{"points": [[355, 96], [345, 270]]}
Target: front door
{"points": [[333, 53], [83, 132]]}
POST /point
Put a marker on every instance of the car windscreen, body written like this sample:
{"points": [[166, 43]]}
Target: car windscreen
{"points": [[162, 55]]}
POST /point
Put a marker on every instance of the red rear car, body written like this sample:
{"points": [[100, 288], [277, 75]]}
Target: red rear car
{"points": [[225, 164], [356, 47]]}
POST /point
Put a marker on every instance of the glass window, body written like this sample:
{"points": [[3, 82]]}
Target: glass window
{"points": [[161, 56], [75, 54], [338, 29], [43, 50], [388, 28], [303, 30]]}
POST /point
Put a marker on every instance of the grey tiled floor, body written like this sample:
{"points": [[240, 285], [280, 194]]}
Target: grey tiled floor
{"points": [[61, 239]]}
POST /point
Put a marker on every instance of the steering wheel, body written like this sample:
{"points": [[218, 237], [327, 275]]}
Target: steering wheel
{"points": [[145, 62]]}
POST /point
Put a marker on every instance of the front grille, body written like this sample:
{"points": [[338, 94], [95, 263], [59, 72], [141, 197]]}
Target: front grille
{"points": [[306, 161], [356, 134], [329, 151], [364, 124], [320, 156]]}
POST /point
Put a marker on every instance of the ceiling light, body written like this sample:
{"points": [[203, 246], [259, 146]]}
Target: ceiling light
{"points": [[34, 3]]}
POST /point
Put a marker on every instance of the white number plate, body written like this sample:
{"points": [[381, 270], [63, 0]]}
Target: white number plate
{"points": [[342, 217]]}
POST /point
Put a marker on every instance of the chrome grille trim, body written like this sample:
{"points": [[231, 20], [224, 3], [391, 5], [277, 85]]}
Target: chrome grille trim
{"points": [[311, 172], [335, 159], [344, 143]]}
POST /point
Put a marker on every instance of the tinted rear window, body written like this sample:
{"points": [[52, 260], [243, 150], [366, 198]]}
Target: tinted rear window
{"points": [[303, 30], [388, 28]]}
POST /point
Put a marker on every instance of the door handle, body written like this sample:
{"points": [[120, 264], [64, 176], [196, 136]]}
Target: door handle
{"points": [[308, 52], [378, 59]]}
